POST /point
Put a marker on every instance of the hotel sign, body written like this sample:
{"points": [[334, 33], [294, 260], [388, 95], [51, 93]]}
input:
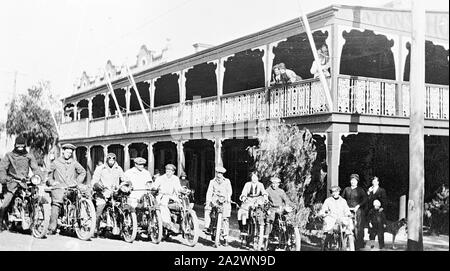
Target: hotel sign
{"points": [[436, 25]]}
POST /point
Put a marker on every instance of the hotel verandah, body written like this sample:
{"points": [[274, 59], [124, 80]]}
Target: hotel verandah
{"points": [[204, 108]]}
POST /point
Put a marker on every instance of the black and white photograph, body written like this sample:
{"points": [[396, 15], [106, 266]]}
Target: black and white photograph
{"points": [[233, 127]]}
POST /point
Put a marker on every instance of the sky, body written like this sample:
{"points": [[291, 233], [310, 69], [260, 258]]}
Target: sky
{"points": [[57, 40]]}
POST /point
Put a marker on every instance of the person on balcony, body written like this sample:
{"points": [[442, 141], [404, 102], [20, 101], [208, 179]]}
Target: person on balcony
{"points": [[324, 60], [219, 186], [139, 178], [283, 76]]}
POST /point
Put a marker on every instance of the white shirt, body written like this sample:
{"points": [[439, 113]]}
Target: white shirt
{"points": [[168, 186], [336, 208], [138, 178]]}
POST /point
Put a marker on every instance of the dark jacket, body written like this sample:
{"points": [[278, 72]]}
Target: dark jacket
{"points": [[355, 196], [377, 218], [64, 173], [16, 166], [380, 195]]}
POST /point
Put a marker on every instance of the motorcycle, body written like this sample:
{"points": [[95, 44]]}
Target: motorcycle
{"points": [[30, 209], [254, 235], [77, 213], [342, 238], [216, 214], [284, 235], [183, 215], [118, 217], [149, 216]]}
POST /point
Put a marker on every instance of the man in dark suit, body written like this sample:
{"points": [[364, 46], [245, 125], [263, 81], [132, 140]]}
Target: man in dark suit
{"points": [[375, 192]]}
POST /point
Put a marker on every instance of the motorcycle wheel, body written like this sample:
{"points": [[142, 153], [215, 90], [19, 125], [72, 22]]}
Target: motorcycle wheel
{"points": [[129, 232], [251, 233], [155, 228], [293, 240], [218, 230], [41, 219], [191, 228], [348, 243], [258, 237], [86, 208]]}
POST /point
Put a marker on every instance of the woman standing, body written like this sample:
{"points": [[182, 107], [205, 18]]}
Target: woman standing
{"points": [[356, 199]]}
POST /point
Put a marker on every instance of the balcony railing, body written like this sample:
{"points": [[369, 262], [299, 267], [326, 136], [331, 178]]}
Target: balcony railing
{"points": [[136, 121], [74, 129], [166, 117], [387, 97], [358, 95], [97, 127], [199, 112]]}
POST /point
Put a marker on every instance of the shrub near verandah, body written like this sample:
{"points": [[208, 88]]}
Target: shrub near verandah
{"points": [[288, 152]]}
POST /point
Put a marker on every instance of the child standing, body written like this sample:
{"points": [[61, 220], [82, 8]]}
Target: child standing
{"points": [[377, 223]]}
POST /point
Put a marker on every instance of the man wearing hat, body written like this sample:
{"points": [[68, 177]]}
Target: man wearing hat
{"points": [[252, 191], [15, 167], [279, 200], [106, 179], [139, 178], [356, 199], [63, 172], [184, 182], [219, 186], [334, 209], [169, 187]]}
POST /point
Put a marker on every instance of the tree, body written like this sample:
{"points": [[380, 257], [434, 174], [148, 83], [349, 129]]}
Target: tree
{"points": [[288, 152], [27, 116]]}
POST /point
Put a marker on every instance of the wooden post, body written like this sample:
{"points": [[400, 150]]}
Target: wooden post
{"points": [[126, 151], [151, 158], [316, 58], [416, 130], [333, 154]]}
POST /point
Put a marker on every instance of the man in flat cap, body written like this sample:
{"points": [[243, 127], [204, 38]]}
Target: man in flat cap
{"points": [[106, 179], [334, 209], [139, 178], [63, 172], [356, 199], [14, 168], [219, 186], [279, 201], [169, 188]]}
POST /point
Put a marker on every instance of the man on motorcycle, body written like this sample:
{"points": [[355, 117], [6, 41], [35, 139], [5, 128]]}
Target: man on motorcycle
{"points": [[14, 167], [139, 178], [106, 179], [278, 199], [252, 190], [64, 172], [335, 210], [169, 188], [219, 186]]}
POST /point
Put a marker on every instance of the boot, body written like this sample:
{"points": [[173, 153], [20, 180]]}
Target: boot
{"points": [[2, 225], [53, 219], [240, 226]]}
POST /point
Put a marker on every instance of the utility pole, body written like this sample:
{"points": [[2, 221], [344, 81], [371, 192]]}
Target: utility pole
{"points": [[416, 127], [14, 85]]}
